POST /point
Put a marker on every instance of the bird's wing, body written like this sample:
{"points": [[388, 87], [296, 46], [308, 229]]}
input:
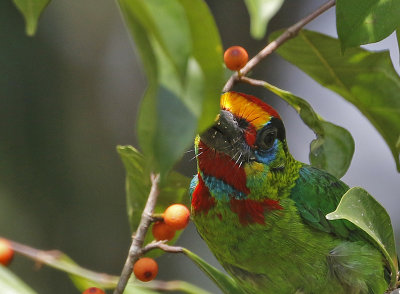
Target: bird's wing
{"points": [[316, 194]]}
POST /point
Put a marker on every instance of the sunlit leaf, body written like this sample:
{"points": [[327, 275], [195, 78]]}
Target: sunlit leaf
{"points": [[261, 12], [223, 281], [360, 208], [181, 51], [366, 79], [366, 21], [174, 189], [31, 10], [333, 148], [11, 284]]}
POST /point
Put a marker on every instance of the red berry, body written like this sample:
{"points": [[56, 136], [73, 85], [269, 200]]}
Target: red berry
{"points": [[235, 57], [145, 269], [177, 216], [162, 231], [93, 290], [6, 252]]}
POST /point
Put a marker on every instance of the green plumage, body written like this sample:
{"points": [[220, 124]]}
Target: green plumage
{"points": [[296, 249]]}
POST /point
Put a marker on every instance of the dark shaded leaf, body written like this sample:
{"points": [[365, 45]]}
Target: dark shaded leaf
{"points": [[11, 284], [361, 209], [366, 21], [333, 148], [174, 189], [31, 10], [223, 281], [182, 56], [366, 79], [261, 12]]}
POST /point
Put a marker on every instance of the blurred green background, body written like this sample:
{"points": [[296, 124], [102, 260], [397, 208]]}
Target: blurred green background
{"points": [[69, 95]]}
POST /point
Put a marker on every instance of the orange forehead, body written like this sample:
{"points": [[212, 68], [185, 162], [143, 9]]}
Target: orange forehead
{"points": [[249, 108]]}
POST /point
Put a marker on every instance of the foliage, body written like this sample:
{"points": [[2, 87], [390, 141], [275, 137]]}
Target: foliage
{"points": [[174, 189], [261, 12], [360, 208], [365, 79], [366, 21], [331, 139], [181, 53], [31, 10], [11, 284]]}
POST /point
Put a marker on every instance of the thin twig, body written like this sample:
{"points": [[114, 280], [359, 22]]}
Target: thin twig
{"points": [[136, 247], [253, 82], [291, 32]]}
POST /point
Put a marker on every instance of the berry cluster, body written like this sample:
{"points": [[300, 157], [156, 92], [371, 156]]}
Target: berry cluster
{"points": [[175, 217]]}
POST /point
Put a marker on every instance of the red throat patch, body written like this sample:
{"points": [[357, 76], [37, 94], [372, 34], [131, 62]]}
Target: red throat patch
{"points": [[222, 167]]}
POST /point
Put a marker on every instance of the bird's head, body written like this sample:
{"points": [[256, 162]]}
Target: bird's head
{"points": [[244, 148]]}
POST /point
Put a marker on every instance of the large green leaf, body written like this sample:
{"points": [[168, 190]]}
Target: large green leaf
{"points": [[366, 21], [360, 208], [333, 148], [223, 281], [11, 284], [182, 55], [366, 79], [173, 189], [261, 11], [31, 10]]}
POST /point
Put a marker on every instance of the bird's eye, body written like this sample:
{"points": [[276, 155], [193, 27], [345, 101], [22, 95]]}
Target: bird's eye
{"points": [[267, 138]]}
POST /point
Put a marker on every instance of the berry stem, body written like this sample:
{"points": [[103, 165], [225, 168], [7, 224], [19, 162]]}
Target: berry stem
{"points": [[290, 33], [137, 242], [157, 217]]}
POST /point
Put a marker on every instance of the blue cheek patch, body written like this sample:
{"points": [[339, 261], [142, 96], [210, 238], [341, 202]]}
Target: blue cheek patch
{"points": [[221, 190], [267, 156]]}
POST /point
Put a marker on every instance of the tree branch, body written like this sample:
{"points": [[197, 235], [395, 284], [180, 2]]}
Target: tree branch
{"points": [[136, 247], [161, 245], [291, 32], [58, 260]]}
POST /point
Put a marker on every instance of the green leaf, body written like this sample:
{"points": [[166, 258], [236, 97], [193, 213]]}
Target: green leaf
{"points": [[11, 284], [261, 12], [365, 79], [223, 281], [174, 189], [333, 148], [182, 55], [366, 21], [31, 10], [361, 209]]}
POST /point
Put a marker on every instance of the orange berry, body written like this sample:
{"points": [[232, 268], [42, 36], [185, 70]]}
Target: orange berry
{"points": [[6, 252], [177, 216], [162, 231], [235, 57], [93, 290], [145, 269]]}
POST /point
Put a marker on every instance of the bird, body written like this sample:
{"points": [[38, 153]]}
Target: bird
{"points": [[262, 213]]}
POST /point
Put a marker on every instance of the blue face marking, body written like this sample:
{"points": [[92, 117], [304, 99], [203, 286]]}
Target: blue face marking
{"points": [[267, 156], [221, 190]]}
